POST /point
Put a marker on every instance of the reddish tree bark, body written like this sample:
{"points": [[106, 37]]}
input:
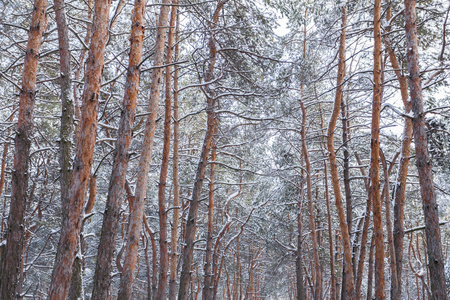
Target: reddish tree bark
{"points": [[71, 227], [430, 208], [102, 278], [349, 282], [176, 185], [188, 251], [66, 130], [137, 208], [208, 288], [400, 188], [163, 247], [15, 234], [374, 175]]}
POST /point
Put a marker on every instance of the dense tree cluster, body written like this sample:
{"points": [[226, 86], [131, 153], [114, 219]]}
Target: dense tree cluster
{"points": [[225, 149]]}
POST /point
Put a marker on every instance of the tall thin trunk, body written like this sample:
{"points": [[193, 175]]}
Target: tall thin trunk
{"points": [[299, 253], [66, 130], [380, 292], [188, 251], [349, 282], [208, 288], [67, 109], [71, 227], [430, 208], [390, 237], [137, 208], [12, 253], [365, 232], [312, 224], [370, 269], [400, 187], [148, 268], [102, 278], [333, 295], [162, 212], [330, 237], [347, 189], [312, 221], [176, 185]]}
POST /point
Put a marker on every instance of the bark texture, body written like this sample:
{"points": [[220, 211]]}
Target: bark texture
{"points": [[15, 234], [176, 185], [400, 187], [67, 108], [162, 211], [137, 207], [208, 288], [349, 277], [374, 175], [102, 278], [72, 222], [430, 208]]}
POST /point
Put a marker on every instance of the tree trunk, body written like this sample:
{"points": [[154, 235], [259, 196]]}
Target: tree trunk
{"points": [[67, 109], [71, 227], [208, 287], [347, 189], [390, 237], [102, 278], [312, 224], [188, 251], [380, 292], [400, 188], [430, 208], [163, 247], [12, 253], [370, 269], [66, 130], [329, 227], [137, 208], [349, 282], [176, 185], [365, 232], [330, 237], [299, 252]]}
